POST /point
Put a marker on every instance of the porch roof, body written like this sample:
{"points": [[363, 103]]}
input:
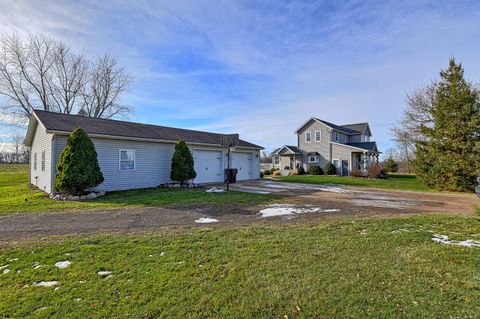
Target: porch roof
{"points": [[289, 150]]}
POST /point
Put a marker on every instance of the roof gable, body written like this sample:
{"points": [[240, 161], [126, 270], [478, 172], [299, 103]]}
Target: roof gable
{"points": [[361, 128], [57, 122], [342, 129]]}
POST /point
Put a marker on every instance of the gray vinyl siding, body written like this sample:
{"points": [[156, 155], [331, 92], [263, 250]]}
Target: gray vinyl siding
{"points": [[152, 162], [322, 147], [42, 141], [341, 152]]}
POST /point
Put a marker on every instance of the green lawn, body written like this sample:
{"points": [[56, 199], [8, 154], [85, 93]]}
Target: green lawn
{"points": [[357, 268], [17, 196], [394, 181]]}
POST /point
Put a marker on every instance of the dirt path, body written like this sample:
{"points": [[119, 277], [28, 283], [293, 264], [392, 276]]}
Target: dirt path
{"points": [[299, 205]]}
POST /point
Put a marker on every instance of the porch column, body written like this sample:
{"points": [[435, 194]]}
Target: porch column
{"points": [[365, 161]]}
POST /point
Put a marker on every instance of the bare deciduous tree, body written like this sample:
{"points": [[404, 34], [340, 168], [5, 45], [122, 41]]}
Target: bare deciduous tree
{"points": [[107, 82], [42, 73]]}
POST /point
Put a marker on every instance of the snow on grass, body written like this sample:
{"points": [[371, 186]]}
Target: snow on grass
{"points": [[4, 266], [104, 273], [6, 271], [274, 210], [443, 239], [206, 220], [62, 264], [45, 283], [162, 254]]}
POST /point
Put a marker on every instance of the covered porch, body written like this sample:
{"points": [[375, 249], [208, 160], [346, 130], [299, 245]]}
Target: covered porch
{"points": [[364, 160], [286, 159]]}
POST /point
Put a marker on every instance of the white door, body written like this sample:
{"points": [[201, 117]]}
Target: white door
{"points": [[242, 162], [208, 165]]}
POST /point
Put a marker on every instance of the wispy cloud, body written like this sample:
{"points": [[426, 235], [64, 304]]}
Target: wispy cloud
{"points": [[262, 68]]}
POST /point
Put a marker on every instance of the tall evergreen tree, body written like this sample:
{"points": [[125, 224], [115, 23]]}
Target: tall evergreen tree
{"points": [[182, 164], [78, 169], [449, 157]]}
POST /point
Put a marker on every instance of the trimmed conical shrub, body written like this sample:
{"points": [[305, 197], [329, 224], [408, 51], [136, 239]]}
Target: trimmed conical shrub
{"points": [[78, 169], [182, 164]]}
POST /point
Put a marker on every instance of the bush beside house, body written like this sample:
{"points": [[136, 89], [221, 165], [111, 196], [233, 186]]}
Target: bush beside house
{"points": [[315, 170], [330, 169], [182, 168], [78, 169]]}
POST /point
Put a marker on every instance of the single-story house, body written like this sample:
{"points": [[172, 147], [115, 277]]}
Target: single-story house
{"points": [[133, 155]]}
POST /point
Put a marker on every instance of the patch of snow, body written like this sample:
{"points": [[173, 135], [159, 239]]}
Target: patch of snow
{"points": [[363, 232], [215, 190], [45, 283], [150, 255], [289, 209], [78, 299], [443, 239], [56, 288], [13, 259], [104, 272], [62, 264], [162, 254], [6, 271], [206, 220], [37, 266], [400, 230], [4, 266]]}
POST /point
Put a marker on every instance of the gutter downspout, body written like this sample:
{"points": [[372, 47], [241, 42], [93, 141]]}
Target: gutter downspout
{"points": [[52, 161]]}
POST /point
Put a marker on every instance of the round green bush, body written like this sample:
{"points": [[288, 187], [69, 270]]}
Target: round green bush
{"points": [[315, 170], [301, 170], [78, 169], [330, 169]]}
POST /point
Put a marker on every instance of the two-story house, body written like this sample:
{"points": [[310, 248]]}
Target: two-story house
{"points": [[319, 142]]}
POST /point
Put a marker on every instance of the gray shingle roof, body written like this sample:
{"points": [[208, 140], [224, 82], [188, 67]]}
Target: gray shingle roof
{"points": [[67, 123], [294, 149], [343, 129], [368, 146], [358, 127]]}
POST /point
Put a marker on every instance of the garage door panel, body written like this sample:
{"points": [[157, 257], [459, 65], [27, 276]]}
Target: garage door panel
{"points": [[208, 165], [243, 162]]}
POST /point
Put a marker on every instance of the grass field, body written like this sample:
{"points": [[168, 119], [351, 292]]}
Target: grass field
{"points": [[394, 181], [363, 268], [17, 196]]}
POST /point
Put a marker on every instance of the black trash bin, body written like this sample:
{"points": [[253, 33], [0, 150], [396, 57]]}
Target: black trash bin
{"points": [[231, 175]]}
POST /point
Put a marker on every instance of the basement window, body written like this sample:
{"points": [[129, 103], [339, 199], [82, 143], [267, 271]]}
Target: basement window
{"points": [[126, 160]]}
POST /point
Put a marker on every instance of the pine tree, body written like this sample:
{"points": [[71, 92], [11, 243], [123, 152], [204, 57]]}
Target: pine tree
{"points": [[390, 165], [182, 164], [448, 158], [78, 169]]}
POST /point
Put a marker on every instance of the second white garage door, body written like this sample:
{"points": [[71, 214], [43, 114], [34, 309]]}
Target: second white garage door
{"points": [[208, 165], [242, 162]]}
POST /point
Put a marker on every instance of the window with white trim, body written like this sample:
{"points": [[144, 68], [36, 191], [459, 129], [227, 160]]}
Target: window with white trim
{"points": [[318, 136], [336, 163], [35, 161], [126, 160], [313, 158], [308, 137], [43, 160], [276, 160]]}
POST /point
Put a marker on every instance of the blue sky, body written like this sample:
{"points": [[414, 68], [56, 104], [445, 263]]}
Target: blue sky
{"points": [[261, 68]]}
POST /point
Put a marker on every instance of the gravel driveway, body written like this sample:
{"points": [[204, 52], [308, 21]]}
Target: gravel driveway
{"points": [[300, 203]]}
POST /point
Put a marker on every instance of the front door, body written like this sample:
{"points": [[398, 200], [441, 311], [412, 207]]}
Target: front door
{"points": [[344, 167]]}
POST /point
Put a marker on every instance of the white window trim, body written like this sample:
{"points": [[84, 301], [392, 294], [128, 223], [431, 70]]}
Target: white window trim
{"points": [[307, 134], [120, 160], [317, 158], [42, 163], [275, 159], [320, 139], [339, 162]]}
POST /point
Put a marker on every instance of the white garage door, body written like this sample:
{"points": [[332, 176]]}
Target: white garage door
{"points": [[242, 162], [208, 165]]}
